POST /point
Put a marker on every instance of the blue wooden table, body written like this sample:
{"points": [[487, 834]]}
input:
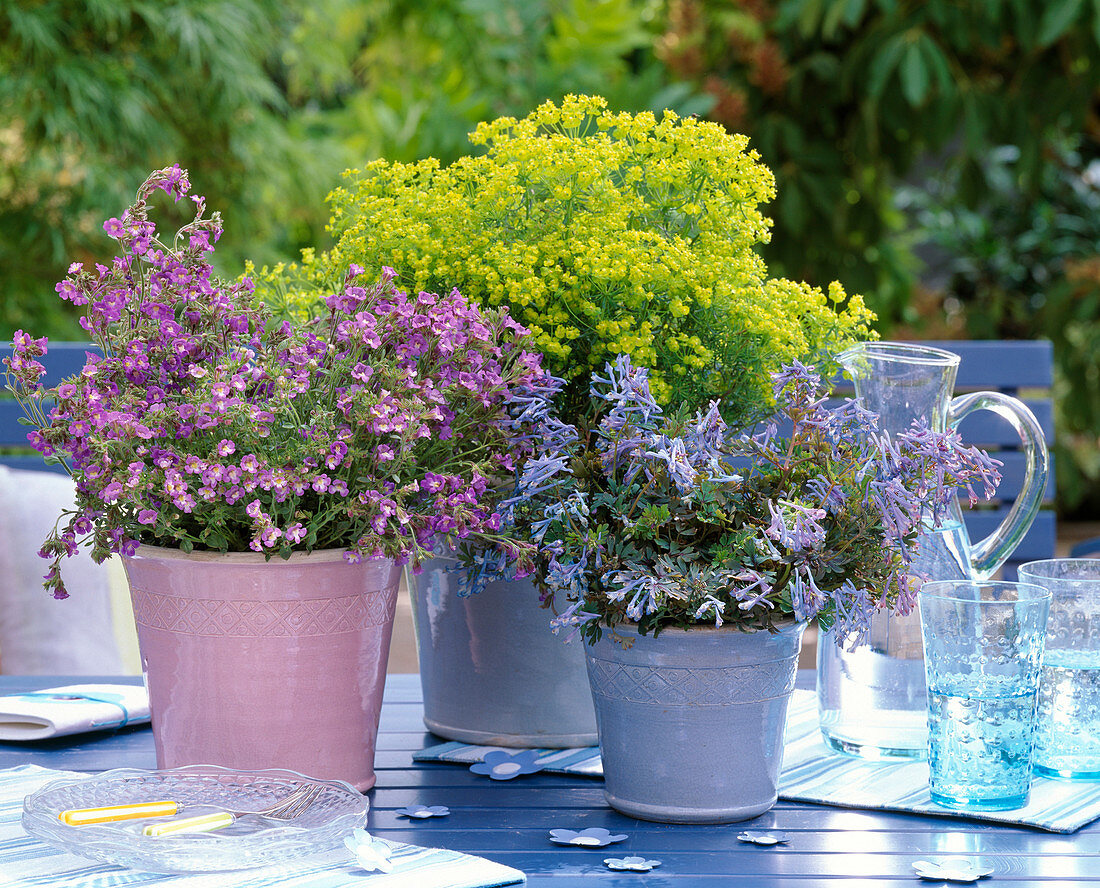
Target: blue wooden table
{"points": [[509, 821]]}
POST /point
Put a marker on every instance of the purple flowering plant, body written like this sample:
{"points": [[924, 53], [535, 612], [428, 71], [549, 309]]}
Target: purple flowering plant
{"points": [[672, 521], [206, 422]]}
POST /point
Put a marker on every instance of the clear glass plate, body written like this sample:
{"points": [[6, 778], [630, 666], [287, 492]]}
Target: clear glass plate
{"points": [[200, 789]]}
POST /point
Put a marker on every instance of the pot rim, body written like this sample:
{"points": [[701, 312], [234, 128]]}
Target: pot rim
{"points": [[725, 629], [148, 552]]}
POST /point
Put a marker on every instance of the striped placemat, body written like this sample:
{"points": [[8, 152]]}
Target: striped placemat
{"points": [[814, 773], [26, 862]]}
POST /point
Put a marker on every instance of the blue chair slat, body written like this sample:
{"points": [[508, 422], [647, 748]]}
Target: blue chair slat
{"points": [[12, 434], [1038, 542], [996, 432], [1002, 364], [1086, 549], [62, 359], [1009, 367], [31, 462], [1012, 474]]}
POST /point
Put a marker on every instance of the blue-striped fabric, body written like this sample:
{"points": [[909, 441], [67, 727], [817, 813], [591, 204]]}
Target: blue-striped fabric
{"points": [[814, 773], [26, 862]]}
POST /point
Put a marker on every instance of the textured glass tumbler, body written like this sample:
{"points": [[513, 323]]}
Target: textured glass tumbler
{"points": [[983, 649], [1067, 719]]}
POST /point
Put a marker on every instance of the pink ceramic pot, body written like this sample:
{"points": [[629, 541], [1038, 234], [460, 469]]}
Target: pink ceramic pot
{"points": [[256, 664]]}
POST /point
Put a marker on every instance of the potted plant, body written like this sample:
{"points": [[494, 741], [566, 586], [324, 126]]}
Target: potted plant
{"points": [[690, 560], [264, 480], [606, 234]]}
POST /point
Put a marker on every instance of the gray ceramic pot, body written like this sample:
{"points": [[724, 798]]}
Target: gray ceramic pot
{"points": [[490, 668], [691, 722]]}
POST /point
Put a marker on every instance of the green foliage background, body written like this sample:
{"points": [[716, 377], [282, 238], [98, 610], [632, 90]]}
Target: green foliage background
{"points": [[884, 121]]}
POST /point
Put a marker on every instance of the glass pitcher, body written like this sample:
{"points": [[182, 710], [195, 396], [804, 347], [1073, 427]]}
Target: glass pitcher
{"points": [[871, 700]]}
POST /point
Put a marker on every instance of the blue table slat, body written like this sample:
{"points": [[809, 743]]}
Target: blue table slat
{"points": [[509, 821]]}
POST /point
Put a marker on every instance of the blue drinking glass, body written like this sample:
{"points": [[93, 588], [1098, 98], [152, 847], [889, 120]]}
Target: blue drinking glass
{"points": [[1067, 719], [983, 651]]}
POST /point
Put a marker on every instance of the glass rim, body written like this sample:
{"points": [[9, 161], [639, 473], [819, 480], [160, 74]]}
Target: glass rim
{"points": [[909, 352], [1034, 591], [1046, 569]]}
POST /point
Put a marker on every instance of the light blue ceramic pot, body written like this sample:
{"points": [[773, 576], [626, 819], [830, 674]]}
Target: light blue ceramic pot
{"points": [[491, 671], [691, 722]]}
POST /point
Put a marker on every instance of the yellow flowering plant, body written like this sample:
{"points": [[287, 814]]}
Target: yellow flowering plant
{"points": [[607, 234]]}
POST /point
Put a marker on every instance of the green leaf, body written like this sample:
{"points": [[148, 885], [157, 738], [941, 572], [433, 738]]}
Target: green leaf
{"points": [[938, 64], [1056, 20], [914, 75], [792, 207], [883, 65], [1096, 21], [854, 12], [832, 18], [975, 124], [215, 540], [809, 16]]}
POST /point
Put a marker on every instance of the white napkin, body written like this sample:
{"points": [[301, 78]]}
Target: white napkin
{"points": [[72, 709]]}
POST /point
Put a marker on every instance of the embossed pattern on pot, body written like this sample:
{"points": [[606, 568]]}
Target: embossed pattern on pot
{"points": [[701, 686], [252, 617], [691, 722]]}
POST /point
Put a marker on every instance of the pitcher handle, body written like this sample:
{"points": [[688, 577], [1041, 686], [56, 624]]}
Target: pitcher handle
{"points": [[989, 554]]}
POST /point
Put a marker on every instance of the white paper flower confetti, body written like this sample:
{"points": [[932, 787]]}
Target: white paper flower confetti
{"points": [[501, 765], [952, 869], [421, 812], [762, 838], [594, 837], [370, 853], [637, 864]]}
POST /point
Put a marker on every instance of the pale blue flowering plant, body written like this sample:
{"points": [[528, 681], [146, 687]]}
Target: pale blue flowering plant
{"points": [[672, 521]]}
